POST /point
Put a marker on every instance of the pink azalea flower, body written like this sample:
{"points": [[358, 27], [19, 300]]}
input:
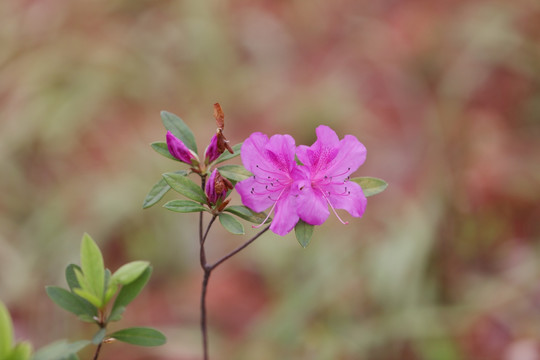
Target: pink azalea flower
{"points": [[328, 164], [273, 182], [178, 149]]}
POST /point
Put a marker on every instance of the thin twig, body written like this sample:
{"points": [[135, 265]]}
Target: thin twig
{"points": [[238, 249]]}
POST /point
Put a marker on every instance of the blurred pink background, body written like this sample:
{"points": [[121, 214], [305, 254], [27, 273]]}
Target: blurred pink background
{"points": [[445, 95]]}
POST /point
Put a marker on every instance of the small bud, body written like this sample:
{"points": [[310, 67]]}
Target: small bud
{"points": [[216, 188], [222, 142], [212, 153], [180, 151]]}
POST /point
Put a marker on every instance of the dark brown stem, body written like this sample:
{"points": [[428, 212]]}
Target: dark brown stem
{"points": [[208, 271], [238, 249], [98, 349]]}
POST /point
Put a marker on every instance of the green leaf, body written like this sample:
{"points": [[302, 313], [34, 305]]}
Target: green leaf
{"points": [[70, 302], [185, 186], [184, 206], [227, 155], [60, 350], [161, 148], [129, 272], [156, 193], [92, 267], [159, 190], [128, 293], [90, 297], [247, 214], [179, 129], [303, 232], [21, 351], [71, 278], [231, 224], [234, 172], [6, 332], [99, 336], [370, 185], [141, 336]]}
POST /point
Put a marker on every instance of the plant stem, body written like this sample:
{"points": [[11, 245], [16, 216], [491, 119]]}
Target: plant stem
{"points": [[98, 349], [208, 271]]}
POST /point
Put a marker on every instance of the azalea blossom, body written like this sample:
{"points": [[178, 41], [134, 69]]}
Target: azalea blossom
{"points": [[328, 164], [274, 169], [179, 150]]}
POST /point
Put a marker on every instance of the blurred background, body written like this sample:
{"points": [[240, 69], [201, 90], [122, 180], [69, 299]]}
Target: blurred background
{"points": [[445, 94]]}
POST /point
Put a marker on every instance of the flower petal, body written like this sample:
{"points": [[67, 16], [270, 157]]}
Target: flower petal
{"points": [[178, 149], [312, 206], [254, 195], [352, 154], [285, 216], [323, 150], [348, 196]]}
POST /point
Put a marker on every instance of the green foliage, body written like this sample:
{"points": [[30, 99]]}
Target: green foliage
{"points": [[6, 332], [231, 224], [185, 186], [129, 292], [303, 232], [129, 272], [247, 214], [20, 351], [184, 206], [161, 148], [156, 193], [159, 190], [370, 185], [60, 350], [72, 302], [92, 275], [141, 336], [92, 287], [179, 129], [234, 172], [227, 155]]}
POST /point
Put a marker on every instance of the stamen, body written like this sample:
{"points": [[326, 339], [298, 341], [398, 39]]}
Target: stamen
{"points": [[332, 207], [270, 212]]}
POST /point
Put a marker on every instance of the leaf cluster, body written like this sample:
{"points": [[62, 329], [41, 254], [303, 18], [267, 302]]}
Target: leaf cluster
{"points": [[180, 181], [96, 295]]}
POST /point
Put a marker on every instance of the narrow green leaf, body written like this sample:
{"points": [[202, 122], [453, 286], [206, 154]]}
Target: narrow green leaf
{"points": [[21, 351], [303, 232], [128, 293], [234, 172], [109, 293], [156, 193], [227, 155], [185, 186], [99, 336], [90, 297], [6, 331], [71, 278], [247, 214], [161, 148], [92, 267], [70, 302], [60, 350], [231, 224], [130, 272], [370, 185], [141, 336], [179, 129], [184, 206]]}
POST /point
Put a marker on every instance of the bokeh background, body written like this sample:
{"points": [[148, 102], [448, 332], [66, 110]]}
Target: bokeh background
{"points": [[445, 94]]}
